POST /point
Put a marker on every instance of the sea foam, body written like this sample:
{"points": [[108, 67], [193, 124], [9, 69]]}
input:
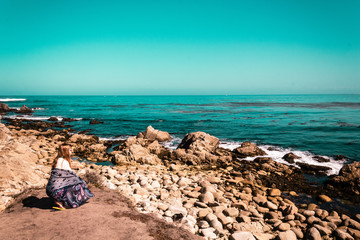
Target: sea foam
{"points": [[12, 99]]}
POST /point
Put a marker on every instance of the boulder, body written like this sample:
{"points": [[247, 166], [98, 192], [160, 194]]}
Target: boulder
{"points": [[153, 134], [5, 135], [53, 119], [347, 182], [289, 157], [4, 107], [94, 121], [18, 168], [248, 149], [25, 109], [321, 159], [313, 169], [199, 141]]}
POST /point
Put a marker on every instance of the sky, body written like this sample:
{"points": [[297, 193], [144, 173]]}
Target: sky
{"points": [[179, 47]]}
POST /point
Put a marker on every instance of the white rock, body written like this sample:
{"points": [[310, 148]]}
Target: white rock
{"points": [[208, 232], [242, 236]]}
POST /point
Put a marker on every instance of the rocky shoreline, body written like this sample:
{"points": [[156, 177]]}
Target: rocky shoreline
{"points": [[206, 189]]}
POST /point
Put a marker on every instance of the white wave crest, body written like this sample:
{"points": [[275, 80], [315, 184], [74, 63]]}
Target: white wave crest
{"points": [[12, 99], [114, 138], [173, 143], [41, 118]]}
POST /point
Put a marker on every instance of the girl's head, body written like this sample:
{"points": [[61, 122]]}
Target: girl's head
{"points": [[64, 151]]}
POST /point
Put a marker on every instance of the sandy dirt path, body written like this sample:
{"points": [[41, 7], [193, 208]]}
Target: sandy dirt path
{"points": [[108, 215]]}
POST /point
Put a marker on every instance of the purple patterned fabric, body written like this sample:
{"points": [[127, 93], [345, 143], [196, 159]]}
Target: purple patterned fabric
{"points": [[66, 187]]}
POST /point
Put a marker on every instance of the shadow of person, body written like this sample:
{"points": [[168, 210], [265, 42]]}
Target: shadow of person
{"points": [[34, 202]]}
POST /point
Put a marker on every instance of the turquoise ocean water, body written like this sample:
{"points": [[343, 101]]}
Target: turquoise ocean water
{"points": [[310, 125]]}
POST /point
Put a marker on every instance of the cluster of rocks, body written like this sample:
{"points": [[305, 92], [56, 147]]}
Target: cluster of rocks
{"points": [[205, 203], [4, 108], [206, 189]]}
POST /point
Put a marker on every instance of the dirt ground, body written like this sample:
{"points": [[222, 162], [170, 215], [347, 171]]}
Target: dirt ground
{"points": [[108, 215]]}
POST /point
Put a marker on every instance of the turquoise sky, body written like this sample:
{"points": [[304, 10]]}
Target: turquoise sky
{"points": [[179, 47]]}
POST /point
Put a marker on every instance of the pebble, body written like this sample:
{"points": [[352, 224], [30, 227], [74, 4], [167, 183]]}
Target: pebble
{"points": [[284, 227], [208, 233], [232, 212], [203, 224], [242, 236], [324, 198], [217, 225], [274, 192], [206, 197], [288, 235], [313, 234]]}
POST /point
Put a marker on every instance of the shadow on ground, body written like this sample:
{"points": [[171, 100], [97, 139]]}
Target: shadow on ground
{"points": [[34, 202]]}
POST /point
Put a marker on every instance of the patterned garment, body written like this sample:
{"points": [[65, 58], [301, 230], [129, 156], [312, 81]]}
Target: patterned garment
{"points": [[66, 187]]}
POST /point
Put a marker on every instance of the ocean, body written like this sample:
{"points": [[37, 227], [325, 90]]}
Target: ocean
{"points": [[307, 125]]}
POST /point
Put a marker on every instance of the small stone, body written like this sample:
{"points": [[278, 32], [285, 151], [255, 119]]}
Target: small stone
{"points": [[342, 235], [206, 197], [312, 206], [214, 179], [177, 210], [355, 233], [193, 194], [284, 227], [242, 236], [308, 213], [323, 230], [298, 232], [203, 212], [271, 205], [324, 198], [293, 193], [232, 212], [203, 224], [208, 233], [200, 204], [210, 216], [313, 234], [288, 235], [274, 192], [217, 225]]}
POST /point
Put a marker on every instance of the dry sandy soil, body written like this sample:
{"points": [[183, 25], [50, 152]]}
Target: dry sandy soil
{"points": [[108, 215]]}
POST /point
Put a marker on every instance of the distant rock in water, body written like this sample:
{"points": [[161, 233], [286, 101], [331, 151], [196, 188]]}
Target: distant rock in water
{"points": [[153, 134], [4, 107], [53, 119], [25, 109], [69, 120], [95, 122], [340, 157], [248, 149], [199, 141], [313, 169], [321, 159], [289, 157]]}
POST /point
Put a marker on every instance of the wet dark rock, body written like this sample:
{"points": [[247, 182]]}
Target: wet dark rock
{"points": [[248, 149], [4, 107], [53, 119], [199, 141], [321, 159], [95, 122], [340, 157], [25, 109], [313, 169], [69, 120], [289, 157], [347, 183]]}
